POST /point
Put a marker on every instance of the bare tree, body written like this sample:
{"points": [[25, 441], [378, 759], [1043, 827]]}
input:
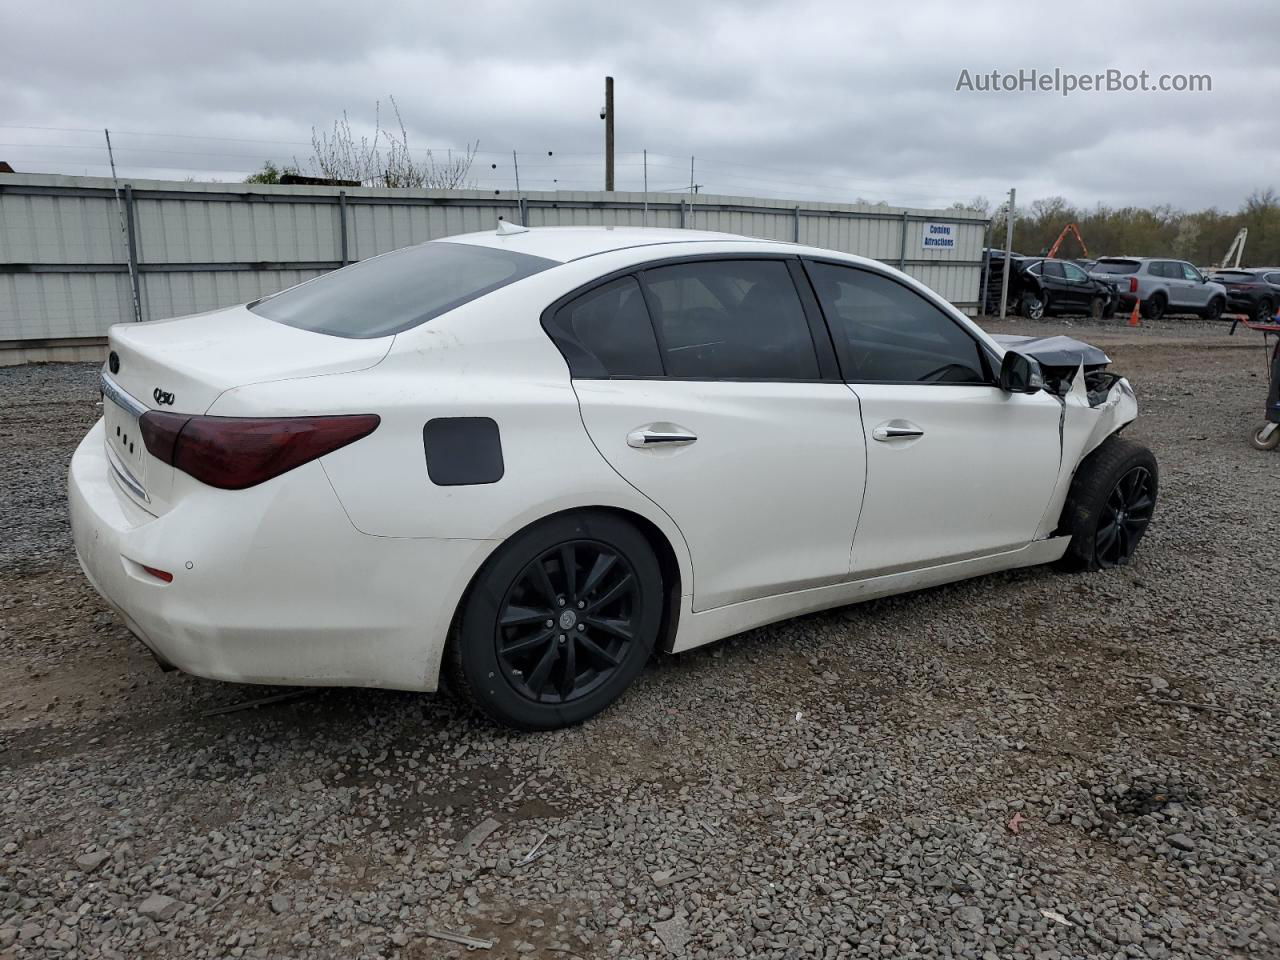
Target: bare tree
{"points": [[978, 204], [386, 160]]}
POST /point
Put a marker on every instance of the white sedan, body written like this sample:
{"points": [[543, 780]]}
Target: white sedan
{"points": [[527, 458]]}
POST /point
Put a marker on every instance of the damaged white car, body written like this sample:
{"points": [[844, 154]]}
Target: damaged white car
{"points": [[525, 459]]}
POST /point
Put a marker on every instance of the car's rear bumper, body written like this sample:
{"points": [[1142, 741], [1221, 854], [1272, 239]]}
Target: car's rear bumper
{"points": [[271, 584], [1241, 304]]}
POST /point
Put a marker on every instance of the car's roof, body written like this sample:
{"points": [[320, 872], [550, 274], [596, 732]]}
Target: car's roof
{"points": [[574, 243], [1142, 259]]}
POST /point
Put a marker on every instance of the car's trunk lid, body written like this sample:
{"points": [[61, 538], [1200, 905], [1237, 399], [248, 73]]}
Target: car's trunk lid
{"points": [[184, 365]]}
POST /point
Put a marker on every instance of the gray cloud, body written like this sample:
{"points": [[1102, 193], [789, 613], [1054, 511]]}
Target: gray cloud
{"points": [[827, 100]]}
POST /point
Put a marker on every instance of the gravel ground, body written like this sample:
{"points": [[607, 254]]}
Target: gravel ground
{"points": [[1030, 764]]}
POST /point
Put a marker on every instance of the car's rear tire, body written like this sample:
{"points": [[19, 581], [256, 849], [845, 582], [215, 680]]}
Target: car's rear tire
{"points": [[1155, 306], [1265, 312], [1214, 310], [595, 579], [1111, 502]]}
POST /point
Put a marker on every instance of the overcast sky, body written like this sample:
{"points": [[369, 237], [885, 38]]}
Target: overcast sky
{"points": [[823, 100]]}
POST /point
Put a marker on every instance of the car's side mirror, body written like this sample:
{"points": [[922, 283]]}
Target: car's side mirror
{"points": [[1020, 374]]}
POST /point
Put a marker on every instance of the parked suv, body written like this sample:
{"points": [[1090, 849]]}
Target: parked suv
{"points": [[1041, 286], [1254, 291], [1163, 286]]}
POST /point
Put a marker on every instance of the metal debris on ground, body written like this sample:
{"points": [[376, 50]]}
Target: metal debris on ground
{"points": [[1016, 822], [477, 835], [533, 854], [1056, 917], [474, 942], [259, 702]]}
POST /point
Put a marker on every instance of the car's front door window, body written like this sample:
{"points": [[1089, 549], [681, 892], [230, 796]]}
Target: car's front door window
{"points": [[885, 332]]}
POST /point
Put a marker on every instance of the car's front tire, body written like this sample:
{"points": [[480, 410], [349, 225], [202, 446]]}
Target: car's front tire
{"points": [[1214, 310], [1111, 502], [558, 623]]}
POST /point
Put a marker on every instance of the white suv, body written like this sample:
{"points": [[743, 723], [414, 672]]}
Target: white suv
{"points": [[1162, 286]]}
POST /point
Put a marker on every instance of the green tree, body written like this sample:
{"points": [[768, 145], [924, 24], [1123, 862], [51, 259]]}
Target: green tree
{"points": [[270, 173]]}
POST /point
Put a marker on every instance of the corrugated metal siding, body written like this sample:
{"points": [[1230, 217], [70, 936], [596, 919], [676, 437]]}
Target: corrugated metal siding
{"points": [[210, 225]]}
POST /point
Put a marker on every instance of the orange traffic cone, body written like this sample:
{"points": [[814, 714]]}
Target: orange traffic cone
{"points": [[1135, 318]]}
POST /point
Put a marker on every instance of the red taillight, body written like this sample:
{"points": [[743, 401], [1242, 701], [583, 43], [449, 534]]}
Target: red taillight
{"points": [[233, 453], [1133, 284]]}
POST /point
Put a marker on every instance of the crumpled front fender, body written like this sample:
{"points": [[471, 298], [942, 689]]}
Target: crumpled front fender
{"points": [[1083, 429]]}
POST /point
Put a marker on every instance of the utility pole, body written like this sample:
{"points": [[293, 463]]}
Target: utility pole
{"points": [[607, 114], [1008, 251], [646, 187], [125, 232]]}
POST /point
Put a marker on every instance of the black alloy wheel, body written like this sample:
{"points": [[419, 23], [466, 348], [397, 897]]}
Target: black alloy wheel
{"points": [[558, 622], [1125, 517], [1110, 505], [568, 621]]}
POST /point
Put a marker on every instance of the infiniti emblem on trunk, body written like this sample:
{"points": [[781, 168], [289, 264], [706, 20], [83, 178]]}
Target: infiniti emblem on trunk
{"points": [[163, 397]]}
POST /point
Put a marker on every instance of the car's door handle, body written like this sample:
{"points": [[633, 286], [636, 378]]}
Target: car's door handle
{"points": [[660, 435], [896, 430]]}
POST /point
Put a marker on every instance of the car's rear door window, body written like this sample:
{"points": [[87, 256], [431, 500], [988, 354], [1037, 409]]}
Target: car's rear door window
{"points": [[610, 324], [730, 320], [399, 290], [1053, 269], [886, 332]]}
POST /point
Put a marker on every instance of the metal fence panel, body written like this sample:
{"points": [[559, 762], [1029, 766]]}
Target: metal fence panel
{"points": [[64, 259]]}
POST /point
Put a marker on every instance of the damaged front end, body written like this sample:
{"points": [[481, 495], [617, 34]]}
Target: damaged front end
{"points": [[1096, 403], [1061, 359]]}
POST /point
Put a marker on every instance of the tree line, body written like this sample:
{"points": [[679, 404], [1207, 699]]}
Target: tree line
{"points": [[1201, 237]]}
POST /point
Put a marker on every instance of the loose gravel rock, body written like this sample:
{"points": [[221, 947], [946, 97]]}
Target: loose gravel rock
{"points": [[988, 769]]}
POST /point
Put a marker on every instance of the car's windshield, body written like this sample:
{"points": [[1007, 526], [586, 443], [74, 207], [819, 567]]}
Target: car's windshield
{"points": [[398, 290], [1116, 266]]}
